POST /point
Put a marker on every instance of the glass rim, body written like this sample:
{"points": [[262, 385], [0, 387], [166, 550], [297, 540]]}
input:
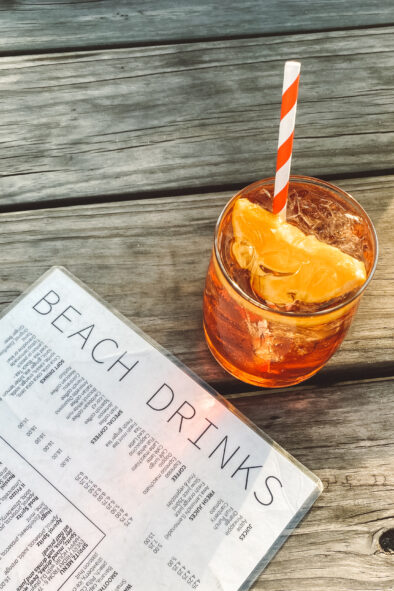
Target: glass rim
{"points": [[259, 304]]}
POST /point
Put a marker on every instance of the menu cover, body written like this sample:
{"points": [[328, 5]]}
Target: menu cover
{"points": [[119, 468]]}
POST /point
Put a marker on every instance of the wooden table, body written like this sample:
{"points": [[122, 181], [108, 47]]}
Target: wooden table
{"points": [[125, 128]]}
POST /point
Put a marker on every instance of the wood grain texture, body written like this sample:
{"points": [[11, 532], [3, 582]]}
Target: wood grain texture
{"points": [[345, 435], [175, 117], [149, 259], [27, 25]]}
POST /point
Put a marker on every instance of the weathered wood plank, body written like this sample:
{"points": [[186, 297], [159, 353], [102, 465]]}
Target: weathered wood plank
{"points": [[27, 25], [186, 116], [149, 258], [345, 435]]}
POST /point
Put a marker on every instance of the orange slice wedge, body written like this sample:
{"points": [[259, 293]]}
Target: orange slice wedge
{"points": [[287, 265]]}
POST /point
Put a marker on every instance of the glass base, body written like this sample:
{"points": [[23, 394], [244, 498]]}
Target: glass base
{"points": [[276, 381]]}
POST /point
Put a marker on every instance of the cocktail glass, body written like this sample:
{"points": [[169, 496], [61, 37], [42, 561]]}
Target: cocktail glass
{"points": [[274, 345]]}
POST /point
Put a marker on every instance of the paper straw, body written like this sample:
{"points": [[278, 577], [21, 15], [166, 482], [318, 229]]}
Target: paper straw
{"points": [[291, 78]]}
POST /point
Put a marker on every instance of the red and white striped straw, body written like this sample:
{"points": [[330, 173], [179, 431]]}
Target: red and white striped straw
{"points": [[291, 79]]}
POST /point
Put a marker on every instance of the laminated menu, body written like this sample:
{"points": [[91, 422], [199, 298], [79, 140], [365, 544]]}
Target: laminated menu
{"points": [[119, 468]]}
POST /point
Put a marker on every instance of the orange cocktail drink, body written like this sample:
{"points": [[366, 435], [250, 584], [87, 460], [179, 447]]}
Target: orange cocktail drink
{"points": [[280, 295]]}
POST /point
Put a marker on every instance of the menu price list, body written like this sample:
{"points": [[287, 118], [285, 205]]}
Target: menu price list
{"points": [[43, 536]]}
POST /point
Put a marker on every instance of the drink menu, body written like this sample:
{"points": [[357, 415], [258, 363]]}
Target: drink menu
{"points": [[119, 469]]}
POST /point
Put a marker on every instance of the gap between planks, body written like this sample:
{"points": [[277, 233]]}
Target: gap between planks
{"points": [[164, 193], [183, 41]]}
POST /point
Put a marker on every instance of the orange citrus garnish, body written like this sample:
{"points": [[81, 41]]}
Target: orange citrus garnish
{"points": [[287, 265]]}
